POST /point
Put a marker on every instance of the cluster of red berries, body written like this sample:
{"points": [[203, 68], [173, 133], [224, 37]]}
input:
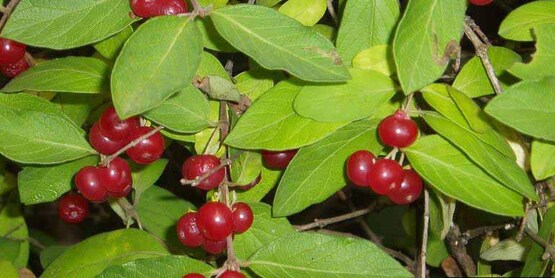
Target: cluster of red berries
{"points": [[212, 224], [12, 58], [151, 8], [225, 274], [386, 176]]}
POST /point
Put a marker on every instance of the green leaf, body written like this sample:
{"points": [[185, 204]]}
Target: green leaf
{"points": [[317, 171], [318, 255], [325, 30], [271, 124], [500, 167], [50, 253], [12, 222], [144, 176], [268, 180], [542, 64], [526, 104], [264, 230], [355, 99], [68, 23], [473, 81], [168, 62], [246, 167], [365, 24], [378, 58], [163, 267], [254, 83], [442, 209], [187, 111], [110, 47], [267, 3], [425, 39], [210, 37], [507, 250], [30, 129], [83, 75], [447, 169], [91, 256], [471, 112], [210, 65], [542, 160], [77, 106], [436, 251], [159, 211], [307, 12], [218, 88], [41, 184], [216, 4], [519, 23], [534, 265], [8, 270], [292, 47]]}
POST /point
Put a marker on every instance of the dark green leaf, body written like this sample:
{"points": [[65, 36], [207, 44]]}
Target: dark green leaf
{"points": [[162, 267]]}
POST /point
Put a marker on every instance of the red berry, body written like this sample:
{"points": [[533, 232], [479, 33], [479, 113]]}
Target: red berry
{"points": [[103, 144], [149, 149], [198, 165], [232, 274], [114, 128], [13, 70], [481, 2], [410, 189], [150, 8], [386, 175], [215, 221], [116, 178], [188, 231], [193, 275], [89, 182], [242, 217], [398, 130], [278, 160], [11, 52], [251, 184], [73, 208], [214, 247], [358, 167]]}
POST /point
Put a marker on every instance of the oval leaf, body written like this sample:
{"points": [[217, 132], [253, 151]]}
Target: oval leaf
{"points": [[12, 221], [519, 23], [162, 267], [144, 176], [542, 159], [544, 57], [168, 62], [306, 12]]}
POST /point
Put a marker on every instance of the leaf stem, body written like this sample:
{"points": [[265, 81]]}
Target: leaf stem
{"points": [[109, 158], [321, 223], [7, 12], [549, 249], [332, 12]]}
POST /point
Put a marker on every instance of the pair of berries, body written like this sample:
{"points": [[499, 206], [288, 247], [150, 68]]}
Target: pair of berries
{"points": [[12, 58], [73, 208], [384, 176], [151, 8], [212, 224], [110, 134], [225, 274], [96, 184]]}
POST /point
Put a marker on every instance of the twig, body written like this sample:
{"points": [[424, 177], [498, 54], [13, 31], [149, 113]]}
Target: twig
{"points": [[549, 249], [421, 269], [30, 60], [321, 223], [129, 211], [474, 233], [371, 235], [482, 53], [108, 159], [332, 12], [458, 251], [7, 12]]}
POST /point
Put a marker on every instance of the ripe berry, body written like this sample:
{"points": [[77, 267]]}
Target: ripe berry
{"points": [[188, 231], [215, 221], [232, 274], [149, 149], [358, 167], [114, 128], [386, 175], [116, 178], [193, 275], [481, 2], [242, 217], [73, 208], [198, 165], [103, 144], [214, 247], [278, 160], [89, 182], [13, 70], [410, 189], [150, 8], [11, 52], [398, 130]]}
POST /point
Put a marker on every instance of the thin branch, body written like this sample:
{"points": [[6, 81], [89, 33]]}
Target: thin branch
{"points": [[549, 249], [321, 223], [371, 235], [30, 60], [332, 12], [130, 211], [482, 53], [108, 159], [458, 251], [421, 270], [486, 230], [7, 12]]}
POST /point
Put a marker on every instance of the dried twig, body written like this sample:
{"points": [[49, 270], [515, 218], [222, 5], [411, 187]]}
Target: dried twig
{"points": [[549, 249], [458, 251], [321, 223], [421, 268], [7, 12]]}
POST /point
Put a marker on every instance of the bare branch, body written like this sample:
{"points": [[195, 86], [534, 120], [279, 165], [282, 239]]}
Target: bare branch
{"points": [[421, 268], [7, 12], [458, 251], [321, 223]]}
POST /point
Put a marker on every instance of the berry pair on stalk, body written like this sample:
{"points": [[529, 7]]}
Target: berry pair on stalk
{"points": [[12, 58]]}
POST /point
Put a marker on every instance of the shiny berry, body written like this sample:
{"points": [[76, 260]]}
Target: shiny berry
{"points": [[214, 247], [278, 160], [114, 128], [73, 208], [149, 149], [242, 217], [386, 175], [150, 8], [103, 144], [11, 52], [215, 221], [232, 274], [89, 182], [398, 130], [193, 275], [358, 167], [198, 165], [410, 189], [117, 178], [120, 194], [13, 70], [481, 2], [188, 231]]}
